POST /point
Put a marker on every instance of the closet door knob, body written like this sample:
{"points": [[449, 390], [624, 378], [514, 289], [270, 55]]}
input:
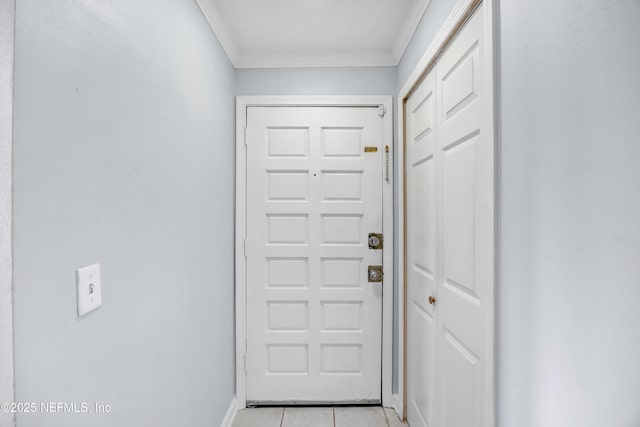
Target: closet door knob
{"points": [[432, 300]]}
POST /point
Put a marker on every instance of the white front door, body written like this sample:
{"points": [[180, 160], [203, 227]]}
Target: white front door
{"points": [[449, 167], [314, 193]]}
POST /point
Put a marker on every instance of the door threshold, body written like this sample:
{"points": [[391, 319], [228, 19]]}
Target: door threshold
{"points": [[268, 403]]}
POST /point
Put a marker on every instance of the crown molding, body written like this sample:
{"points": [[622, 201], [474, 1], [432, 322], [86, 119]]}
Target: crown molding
{"points": [[221, 30], [306, 61], [407, 31], [242, 59]]}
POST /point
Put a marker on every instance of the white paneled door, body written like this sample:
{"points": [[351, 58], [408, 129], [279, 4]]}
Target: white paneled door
{"points": [[421, 254], [314, 193], [449, 169]]}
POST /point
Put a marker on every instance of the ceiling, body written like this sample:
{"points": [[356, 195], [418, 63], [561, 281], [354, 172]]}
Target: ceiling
{"points": [[313, 33]]}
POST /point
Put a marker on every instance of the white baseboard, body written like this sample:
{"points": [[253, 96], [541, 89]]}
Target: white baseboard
{"points": [[231, 414], [396, 405]]}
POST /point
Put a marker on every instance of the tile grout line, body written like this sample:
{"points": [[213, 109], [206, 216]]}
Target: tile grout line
{"points": [[334, 418]]}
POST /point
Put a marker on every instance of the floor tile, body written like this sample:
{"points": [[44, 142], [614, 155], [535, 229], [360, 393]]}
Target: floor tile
{"points": [[392, 418], [308, 417], [360, 416], [258, 417]]}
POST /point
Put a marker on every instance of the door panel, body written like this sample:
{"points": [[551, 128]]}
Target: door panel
{"points": [[313, 195], [464, 185], [421, 252], [449, 172]]}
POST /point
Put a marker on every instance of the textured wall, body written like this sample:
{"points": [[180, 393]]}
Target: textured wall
{"points": [[124, 136], [569, 342], [7, 9], [316, 81]]}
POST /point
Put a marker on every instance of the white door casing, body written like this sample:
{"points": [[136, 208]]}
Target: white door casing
{"points": [[312, 196], [450, 240]]}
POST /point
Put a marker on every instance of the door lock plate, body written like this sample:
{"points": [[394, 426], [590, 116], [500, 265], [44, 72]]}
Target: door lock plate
{"points": [[375, 240], [375, 273]]}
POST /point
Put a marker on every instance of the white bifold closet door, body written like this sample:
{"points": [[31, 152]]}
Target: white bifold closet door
{"points": [[449, 177], [314, 322]]}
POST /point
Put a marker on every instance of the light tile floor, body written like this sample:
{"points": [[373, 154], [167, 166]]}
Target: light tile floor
{"points": [[339, 416]]}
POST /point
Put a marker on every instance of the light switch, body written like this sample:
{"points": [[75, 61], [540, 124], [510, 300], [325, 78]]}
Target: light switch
{"points": [[89, 289]]}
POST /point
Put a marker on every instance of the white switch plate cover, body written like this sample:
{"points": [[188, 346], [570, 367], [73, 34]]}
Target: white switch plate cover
{"points": [[89, 289]]}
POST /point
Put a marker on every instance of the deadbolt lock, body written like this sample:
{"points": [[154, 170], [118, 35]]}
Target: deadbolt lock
{"points": [[375, 273], [375, 240]]}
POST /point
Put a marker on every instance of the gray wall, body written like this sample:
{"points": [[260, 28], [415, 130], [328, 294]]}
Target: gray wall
{"points": [[316, 81], [124, 135], [7, 10], [569, 339]]}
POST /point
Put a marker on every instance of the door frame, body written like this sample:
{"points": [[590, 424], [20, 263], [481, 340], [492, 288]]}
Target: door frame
{"points": [[242, 103], [462, 10]]}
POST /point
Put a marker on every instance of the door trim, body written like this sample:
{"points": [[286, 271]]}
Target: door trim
{"points": [[453, 24], [242, 103]]}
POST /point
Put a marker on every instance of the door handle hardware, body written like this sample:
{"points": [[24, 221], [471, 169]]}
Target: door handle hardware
{"points": [[375, 240], [370, 149], [432, 300], [375, 273]]}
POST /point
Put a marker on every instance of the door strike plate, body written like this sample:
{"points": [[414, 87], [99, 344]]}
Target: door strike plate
{"points": [[375, 273], [375, 240]]}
